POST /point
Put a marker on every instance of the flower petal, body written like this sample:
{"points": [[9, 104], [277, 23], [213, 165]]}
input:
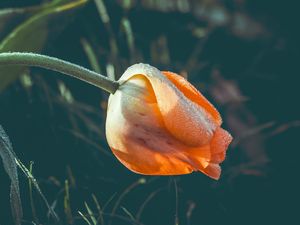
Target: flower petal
{"points": [[213, 171], [136, 133], [207, 158], [187, 121], [219, 145], [194, 95]]}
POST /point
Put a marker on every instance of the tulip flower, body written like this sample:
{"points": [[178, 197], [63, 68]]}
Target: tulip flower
{"points": [[159, 124]]}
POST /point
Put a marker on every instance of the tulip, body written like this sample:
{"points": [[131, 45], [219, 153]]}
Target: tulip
{"points": [[159, 124]]}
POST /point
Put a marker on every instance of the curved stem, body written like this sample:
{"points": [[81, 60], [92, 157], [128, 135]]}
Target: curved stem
{"points": [[51, 63]]}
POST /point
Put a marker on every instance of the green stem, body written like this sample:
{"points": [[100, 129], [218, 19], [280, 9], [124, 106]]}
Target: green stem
{"points": [[51, 63]]}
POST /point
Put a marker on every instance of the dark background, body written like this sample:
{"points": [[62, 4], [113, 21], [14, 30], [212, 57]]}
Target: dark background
{"points": [[243, 55]]}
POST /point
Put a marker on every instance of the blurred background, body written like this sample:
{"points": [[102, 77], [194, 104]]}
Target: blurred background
{"points": [[242, 54]]}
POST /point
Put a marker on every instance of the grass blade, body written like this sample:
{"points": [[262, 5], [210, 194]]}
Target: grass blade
{"points": [[91, 214], [84, 218], [37, 187], [8, 157]]}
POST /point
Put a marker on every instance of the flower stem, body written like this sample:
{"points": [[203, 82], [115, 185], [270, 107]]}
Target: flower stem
{"points": [[55, 64]]}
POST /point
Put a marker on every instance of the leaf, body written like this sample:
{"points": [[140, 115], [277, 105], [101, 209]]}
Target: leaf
{"points": [[10, 17], [32, 35], [8, 157]]}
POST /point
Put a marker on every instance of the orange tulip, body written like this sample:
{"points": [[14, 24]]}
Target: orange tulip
{"points": [[159, 124]]}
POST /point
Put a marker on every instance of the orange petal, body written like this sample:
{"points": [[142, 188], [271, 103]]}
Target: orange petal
{"points": [[207, 158], [185, 120], [219, 145], [213, 171], [136, 134], [194, 95]]}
